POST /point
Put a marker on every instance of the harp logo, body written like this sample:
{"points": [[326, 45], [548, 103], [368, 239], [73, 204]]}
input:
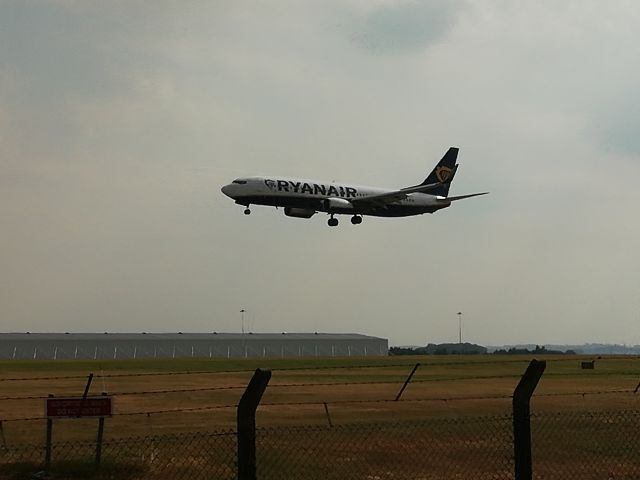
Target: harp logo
{"points": [[271, 185], [443, 174]]}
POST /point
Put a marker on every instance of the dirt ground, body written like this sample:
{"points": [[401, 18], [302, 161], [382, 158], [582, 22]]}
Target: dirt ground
{"points": [[442, 387]]}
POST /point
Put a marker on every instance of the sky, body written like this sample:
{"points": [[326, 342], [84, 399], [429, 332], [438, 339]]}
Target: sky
{"points": [[120, 121]]}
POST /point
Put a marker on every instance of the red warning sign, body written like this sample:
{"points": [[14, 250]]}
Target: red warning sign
{"points": [[74, 407]]}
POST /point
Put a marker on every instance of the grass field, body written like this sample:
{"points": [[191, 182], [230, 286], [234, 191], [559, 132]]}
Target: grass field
{"points": [[442, 387], [455, 408]]}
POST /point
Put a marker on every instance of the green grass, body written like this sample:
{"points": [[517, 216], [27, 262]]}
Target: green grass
{"points": [[174, 365], [217, 364]]}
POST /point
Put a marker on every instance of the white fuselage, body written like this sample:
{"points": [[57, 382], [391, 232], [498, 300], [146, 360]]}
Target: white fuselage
{"points": [[330, 197]]}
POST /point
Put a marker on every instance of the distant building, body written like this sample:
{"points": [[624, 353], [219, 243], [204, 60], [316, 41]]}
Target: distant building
{"points": [[441, 349], [65, 346], [455, 349]]}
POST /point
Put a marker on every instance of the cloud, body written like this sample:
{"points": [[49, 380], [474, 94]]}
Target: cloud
{"points": [[618, 126], [120, 123], [404, 27]]}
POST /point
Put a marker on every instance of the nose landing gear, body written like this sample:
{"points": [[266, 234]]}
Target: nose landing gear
{"points": [[333, 222], [247, 211]]}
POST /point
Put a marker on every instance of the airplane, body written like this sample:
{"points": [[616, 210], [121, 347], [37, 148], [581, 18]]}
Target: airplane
{"points": [[304, 198]]}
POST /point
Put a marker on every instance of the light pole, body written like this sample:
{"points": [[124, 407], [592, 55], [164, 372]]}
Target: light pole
{"points": [[459, 327], [244, 346]]}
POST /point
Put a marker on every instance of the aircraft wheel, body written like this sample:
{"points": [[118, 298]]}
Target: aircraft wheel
{"points": [[356, 219], [247, 211], [333, 222]]}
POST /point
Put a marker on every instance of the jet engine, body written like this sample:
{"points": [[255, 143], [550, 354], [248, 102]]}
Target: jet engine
{"points": [[336, 204], [299, 212]]}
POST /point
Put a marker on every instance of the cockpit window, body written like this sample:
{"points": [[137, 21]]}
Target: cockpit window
{"points": [[240, 182]]}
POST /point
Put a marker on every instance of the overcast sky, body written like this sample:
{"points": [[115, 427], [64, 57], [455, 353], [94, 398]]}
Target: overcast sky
{"points": [[120, 121]]}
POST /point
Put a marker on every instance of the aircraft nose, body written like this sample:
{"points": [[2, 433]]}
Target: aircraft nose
{"points": [[226, 190]]}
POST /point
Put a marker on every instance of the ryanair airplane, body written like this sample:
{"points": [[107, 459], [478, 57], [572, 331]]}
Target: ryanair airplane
{"points": [[303, 198]]}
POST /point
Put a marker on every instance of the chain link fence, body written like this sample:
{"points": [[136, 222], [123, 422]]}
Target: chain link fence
{"points": [[478, 448], [585, 445], [185, 456], [572, 444]]}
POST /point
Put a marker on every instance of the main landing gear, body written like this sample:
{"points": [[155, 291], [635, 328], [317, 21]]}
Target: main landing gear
{"points": [[247, 211], [356, 220]]}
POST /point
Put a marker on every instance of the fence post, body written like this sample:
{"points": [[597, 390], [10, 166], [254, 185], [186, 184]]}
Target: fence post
{"points": [[326, 410], [246, 423], [522, 419], [406, 382], [99, 439], [4, 440], [47, 455]]}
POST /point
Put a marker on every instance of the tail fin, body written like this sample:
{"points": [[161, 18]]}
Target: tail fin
{"points": [[443, 173]]}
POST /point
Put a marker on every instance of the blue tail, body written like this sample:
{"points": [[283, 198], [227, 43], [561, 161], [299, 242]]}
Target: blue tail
{"points": [[443, 173]]}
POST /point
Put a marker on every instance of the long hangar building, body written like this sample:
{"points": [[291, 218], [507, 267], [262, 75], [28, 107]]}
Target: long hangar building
{"points": [[69, 346]]}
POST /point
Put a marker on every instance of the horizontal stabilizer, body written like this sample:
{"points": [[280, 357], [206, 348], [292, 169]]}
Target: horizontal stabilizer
{"points": [[462, 197]]}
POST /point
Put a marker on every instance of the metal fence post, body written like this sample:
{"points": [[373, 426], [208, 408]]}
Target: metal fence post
{"points": [[48, 445], [4, 440], [406, 382], [522, 419], [99, 439], [326, 410], [246, 422]]}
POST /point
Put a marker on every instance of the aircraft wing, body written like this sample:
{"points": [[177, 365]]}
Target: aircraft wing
{"points": [[384, 199]]}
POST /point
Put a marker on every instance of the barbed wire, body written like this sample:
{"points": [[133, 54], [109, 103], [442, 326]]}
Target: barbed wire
{"points": [[237, 387], [178, 410], [386, 400], [142, 392], [306, 384], [146, 412], [279, 385], [596, 392], [352, 401]]}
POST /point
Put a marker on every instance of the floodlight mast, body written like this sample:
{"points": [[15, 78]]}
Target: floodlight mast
{"points": [[459, 327], [244, 345]]}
